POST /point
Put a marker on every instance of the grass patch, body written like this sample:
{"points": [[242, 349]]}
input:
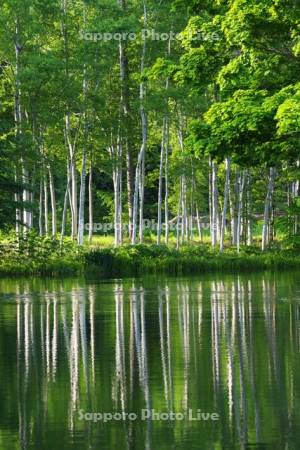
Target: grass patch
{"points": [[44, 256], [141, 259]]}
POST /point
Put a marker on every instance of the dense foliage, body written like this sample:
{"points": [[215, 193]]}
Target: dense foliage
{"points": [[182, 112]]}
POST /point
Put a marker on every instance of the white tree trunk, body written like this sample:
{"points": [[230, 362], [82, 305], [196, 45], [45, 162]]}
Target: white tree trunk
{"points": [[82, 199], [140, 167], [226, 196], [233, 196], [18, 211], [184, 230], [117, 182], [125, 103], [160, 184], [249, 216], [242, 178], [214, 230], [120, 184], [141, 196], [191, 224], [46, 205], [210, 203], [183, 193], [41, 231], [70, 144], [296, 195], [53, 202], [167, 184], [199, 225], [91, 212], [74, 196], [65, 207], [179, 214], [25, 198], [268, 203], [81, 224], [18, 122], [64, 217]]}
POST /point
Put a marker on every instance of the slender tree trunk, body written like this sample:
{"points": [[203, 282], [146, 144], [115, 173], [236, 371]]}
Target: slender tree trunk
{"points": [[210, 202], [64, 217], [125, 95], [81, 217], [73, 177], [184, 230], [66, 197], [31, 200], [199, 225], [46, 205], [167, 149], [140, 167], [160, 185], [25, 198], [74, 196], [141, 204], [268, 203], [167, 184], [296, 195], [249, 215], [68, 135], [182, 188], [53, 202], [18, 211], [82, 198], [116, 201], [192, 204], [226, 196], [91, 213], [18, 122], [117, 181], [240, 208], [130, 185], [179, 214], [214, 231], [41, 231], [120, 184], [233, 208]]}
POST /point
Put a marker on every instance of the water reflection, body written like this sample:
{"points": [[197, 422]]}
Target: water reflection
{"points": [[228, 345]]}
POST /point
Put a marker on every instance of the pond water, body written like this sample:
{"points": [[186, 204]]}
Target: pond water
{"points": [[209, 362]]}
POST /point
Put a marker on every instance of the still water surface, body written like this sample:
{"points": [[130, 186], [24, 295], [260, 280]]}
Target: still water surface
{"points": [[228, 345]]}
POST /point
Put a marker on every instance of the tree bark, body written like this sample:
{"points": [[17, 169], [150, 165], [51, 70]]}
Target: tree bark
{"points": [[41, 231], [249, 213], [268, 203], [66, 197], [46, 205], [18, 122], [242, 178], [140, 167], [91, 212], [178, 214], [53, 202], [214, 230], [160, 185], [199, 225], [167, 184], [82, 198], [233, 196], [124, 76], [226, 196]]}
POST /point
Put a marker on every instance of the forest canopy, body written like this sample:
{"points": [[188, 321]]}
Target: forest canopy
{"points": [[185, 113]]}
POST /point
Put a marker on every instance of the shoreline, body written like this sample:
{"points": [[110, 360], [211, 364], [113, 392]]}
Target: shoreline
{"points": [[149, 259]]}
